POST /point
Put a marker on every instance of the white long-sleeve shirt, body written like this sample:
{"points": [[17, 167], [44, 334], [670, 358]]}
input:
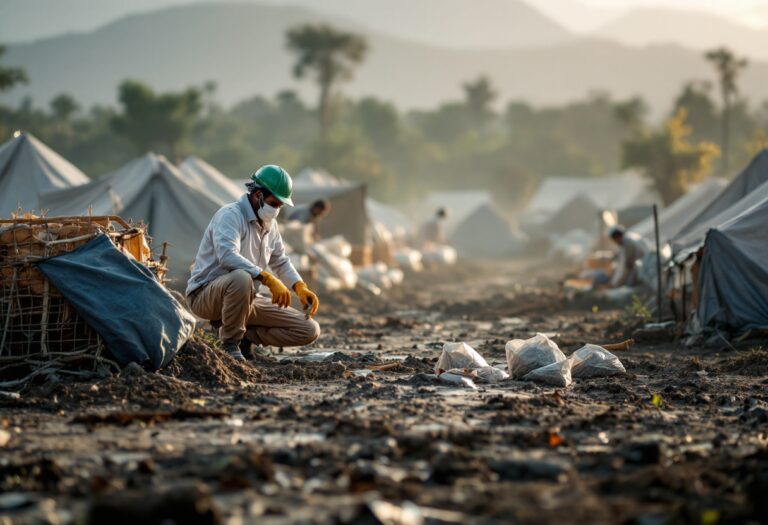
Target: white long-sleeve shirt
{"points": [[235, 240]]}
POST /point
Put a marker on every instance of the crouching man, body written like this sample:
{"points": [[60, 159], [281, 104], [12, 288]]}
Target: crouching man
{"points": [[241, 242]]}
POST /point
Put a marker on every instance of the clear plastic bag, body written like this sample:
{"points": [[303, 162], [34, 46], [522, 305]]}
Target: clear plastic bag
{"points": [[459, 355], [461, 359], [527, 355], [594, 361], [555, 374]]}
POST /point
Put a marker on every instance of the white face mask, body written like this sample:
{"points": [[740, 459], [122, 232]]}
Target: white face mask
{"points": [[267, 213]]}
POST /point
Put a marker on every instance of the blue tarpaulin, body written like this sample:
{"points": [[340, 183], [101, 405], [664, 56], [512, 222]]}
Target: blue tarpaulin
{"points": [[121, 300]]}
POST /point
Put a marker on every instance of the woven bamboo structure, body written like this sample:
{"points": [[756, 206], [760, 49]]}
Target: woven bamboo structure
{"points": [[39, 330]]}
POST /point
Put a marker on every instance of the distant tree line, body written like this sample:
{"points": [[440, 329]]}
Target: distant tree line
{"points": [[471, 142]]}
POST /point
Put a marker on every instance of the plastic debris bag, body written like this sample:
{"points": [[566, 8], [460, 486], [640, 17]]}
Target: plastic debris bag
{"points": [[594, 361], [459, 355], [526, 355], [462, 360], [555, 374], [489, 374], [456, 379]]}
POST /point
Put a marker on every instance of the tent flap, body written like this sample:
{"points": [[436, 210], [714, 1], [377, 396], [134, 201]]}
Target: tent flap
{"points": [[733, 286], [120, 299]]}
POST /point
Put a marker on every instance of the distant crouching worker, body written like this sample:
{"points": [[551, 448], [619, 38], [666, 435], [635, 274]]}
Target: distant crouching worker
{"points": [[241, 242], [633, 248], [433, 231], [311, 214]]}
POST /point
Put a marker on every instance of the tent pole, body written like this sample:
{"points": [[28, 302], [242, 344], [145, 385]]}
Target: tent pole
{"points": [[685, 290], [658, 263]]}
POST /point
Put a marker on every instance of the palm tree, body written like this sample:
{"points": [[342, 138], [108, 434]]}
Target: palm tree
{"points": [[479, 95], [728, 67], [328, 53]]}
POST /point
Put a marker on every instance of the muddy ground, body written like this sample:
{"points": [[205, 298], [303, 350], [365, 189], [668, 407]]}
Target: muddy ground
{"points": [[681, 438]]}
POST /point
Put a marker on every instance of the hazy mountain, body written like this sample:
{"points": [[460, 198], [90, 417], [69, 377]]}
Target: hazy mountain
{"points": [[693, 29], [242, 48], [451, 23], [577, 16]]}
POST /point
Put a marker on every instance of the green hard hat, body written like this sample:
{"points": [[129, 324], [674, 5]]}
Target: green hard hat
{"points": [[275, 180]]}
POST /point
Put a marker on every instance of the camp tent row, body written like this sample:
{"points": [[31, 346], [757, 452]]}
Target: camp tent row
{"points": [[730, 234], [569, 213], [149, 189]]}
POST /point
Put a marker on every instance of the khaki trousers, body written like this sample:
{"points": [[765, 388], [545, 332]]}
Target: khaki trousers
{"points": [[232, 300]]}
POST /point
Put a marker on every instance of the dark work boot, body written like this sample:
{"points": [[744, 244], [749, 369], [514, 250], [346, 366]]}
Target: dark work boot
{"points": [[233, 349], [252, 350]]}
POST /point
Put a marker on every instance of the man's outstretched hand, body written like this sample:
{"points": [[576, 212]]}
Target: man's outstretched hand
{"points": [[307, 297]]}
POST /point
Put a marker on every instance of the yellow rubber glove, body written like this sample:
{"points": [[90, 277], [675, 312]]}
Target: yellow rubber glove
{"points": [[307, 297], [280, 294]]}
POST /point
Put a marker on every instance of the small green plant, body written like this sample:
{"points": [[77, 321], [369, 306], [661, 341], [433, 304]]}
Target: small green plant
{"points": [[637, 310]]}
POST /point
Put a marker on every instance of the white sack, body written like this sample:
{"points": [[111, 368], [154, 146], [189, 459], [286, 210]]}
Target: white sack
{"points": [[555, 374], [459, 355]]}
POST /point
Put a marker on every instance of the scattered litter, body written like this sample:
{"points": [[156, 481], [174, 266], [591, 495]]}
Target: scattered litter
{"points": [[618, 347], [459, 355], [462, 360], [10, 395], [439, 256], [456, 379], [594, 361], [525, 356], [555, 374], [389, 514]]}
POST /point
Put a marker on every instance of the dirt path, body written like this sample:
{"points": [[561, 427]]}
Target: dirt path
{"points": [[682, 438]]}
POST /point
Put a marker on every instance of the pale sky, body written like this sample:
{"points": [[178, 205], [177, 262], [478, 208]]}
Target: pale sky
{"points": [[752, 11]]}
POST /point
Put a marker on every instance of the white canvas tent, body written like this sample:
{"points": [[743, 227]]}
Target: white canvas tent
{"points": [[27, 168], [210, 180], [152, 190], [753, 176], [348, 216], [619, 192], [474, 226], [733, 282], [580, 213], [673, 218], [458, 204], [392, 219]]}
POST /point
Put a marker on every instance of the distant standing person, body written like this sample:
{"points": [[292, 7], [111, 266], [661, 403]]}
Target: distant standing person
{"points": [[633, 248], [433, 231], [311, 214], [241, 242]]}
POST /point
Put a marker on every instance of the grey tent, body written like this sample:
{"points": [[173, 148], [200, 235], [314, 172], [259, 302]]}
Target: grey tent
{"points": [[754, 175], [349, 215], [684, 245], [392, 219], [486, 233], [27, 168], [733, 283], [210, 180], [152, 190], [474, 226], [674, 217], [580, 213], [563, 204]]}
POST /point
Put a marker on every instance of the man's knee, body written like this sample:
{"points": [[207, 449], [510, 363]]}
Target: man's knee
{"points": [[240, 283], [310, 332]]}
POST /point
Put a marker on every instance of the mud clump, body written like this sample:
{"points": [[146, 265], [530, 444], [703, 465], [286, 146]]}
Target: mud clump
{"points": [[207, 366]]}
